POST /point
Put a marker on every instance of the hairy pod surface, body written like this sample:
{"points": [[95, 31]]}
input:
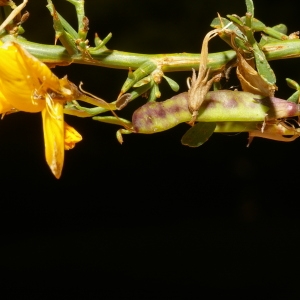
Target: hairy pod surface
{"points": [[219, 106]]}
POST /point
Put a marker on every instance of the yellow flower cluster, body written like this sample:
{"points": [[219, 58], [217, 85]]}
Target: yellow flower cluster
{"points": [[27, 84]]}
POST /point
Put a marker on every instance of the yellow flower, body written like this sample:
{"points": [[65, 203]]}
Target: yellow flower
{"points": [[27, 84]]}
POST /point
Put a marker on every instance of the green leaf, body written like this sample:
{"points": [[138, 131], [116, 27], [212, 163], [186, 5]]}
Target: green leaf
{"points": [[280, 28], [100, 44], [294, 98], [222, 22], [142, 81], [112, 120], [292, 84], [154, 93], [235, 19], [256, 25], [250, 7], [143, 71], [263, 67], [140, 90], [239, 40], [68, 28], [198, 134], [172, 83]]}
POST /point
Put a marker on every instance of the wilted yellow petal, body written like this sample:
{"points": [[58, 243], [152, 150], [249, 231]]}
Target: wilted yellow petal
{"points": [[53, 125], [71, 137]]}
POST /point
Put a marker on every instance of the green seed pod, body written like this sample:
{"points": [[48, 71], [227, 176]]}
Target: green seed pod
{"points": [[219, 106]]}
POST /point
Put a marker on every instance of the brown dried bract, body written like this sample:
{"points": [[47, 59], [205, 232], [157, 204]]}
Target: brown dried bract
{"points": [[201, 85]]}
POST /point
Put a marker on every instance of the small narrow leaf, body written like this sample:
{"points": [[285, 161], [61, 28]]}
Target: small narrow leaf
{"points": [[152, 94], [263, 67], [256, 25], [142, 82], [292, 84], [235, 19], [250, 7], [280, 28], [294, 98], [173, 84], [144, 70]]}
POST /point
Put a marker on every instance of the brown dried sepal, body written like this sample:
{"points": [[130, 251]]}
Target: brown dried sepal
{"points": [[250, 79], [281, 131]]}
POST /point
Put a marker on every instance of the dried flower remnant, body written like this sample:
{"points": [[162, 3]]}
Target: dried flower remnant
{"points": [[201, 85], [16, 11]]}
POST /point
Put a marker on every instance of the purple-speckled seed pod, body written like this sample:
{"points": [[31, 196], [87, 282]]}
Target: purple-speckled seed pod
{"points": [[219, 106]]}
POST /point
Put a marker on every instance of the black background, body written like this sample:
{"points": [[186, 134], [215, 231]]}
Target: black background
{"points": [[150, 213]]}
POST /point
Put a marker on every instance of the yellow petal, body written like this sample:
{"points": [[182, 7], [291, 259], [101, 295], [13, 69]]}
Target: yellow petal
{"points": [[24, 80], [5, 106], [71, 137], [53, 125]]}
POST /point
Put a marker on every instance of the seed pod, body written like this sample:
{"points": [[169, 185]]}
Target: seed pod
{"points": [[219, 106]]}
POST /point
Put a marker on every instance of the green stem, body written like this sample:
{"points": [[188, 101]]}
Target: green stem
{"points": [[168, 62]]}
